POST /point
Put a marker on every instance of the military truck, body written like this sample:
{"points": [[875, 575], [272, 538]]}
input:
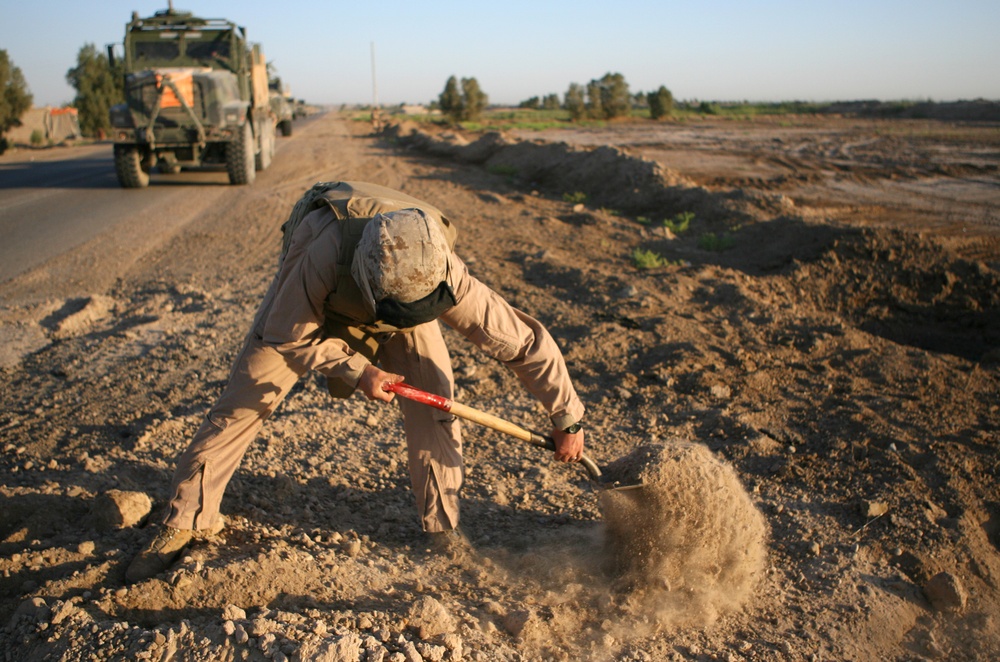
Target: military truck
{"points": [[196, 95], [281, 106]]}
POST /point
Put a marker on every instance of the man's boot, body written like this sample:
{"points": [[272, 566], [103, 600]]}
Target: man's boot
{"points": [[164, 549]]}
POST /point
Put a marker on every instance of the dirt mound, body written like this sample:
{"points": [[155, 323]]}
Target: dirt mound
{"points": [[606, 176], [689, 542]]}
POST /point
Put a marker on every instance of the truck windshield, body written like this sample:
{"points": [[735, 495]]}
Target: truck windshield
{"points": [[156, 50], [217, 48], [192, 48]]}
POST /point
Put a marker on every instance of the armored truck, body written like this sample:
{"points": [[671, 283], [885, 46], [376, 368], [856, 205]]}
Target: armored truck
{"points": [[196, 94]]}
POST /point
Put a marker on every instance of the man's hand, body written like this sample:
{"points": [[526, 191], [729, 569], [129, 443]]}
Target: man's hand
{"points": [[569, 447], [372, 382]]}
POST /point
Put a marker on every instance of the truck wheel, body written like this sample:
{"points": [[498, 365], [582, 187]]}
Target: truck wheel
{"points": [[267, 141], [128, 167], [240, 158], [286, 128]]}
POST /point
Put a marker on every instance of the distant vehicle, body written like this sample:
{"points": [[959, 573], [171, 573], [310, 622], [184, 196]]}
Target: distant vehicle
{"points": [[196, 94], [281, 106]]}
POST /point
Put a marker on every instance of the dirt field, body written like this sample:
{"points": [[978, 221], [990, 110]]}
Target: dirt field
{"points": [[826, 331]]}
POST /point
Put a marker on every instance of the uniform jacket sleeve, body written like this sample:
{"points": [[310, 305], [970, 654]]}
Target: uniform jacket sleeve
{"points": [[516, 339], [291, 316]]}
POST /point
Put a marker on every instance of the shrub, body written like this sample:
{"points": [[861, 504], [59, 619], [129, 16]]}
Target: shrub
{"points": [[508, 172], [575, 103], [661, 103], [707, 108], [608, 97], [450, 100], [99, 84], [463, 106], [577, 197], [474, 100], [643, 259], [680, 223], [716, 243], [37, 138], [15, 99]]}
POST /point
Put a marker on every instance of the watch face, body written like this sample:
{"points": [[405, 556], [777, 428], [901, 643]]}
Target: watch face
{"points": [[573, 429]]}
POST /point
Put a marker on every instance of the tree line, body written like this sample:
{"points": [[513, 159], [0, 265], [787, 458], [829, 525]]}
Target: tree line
{"points": [[607, 97], [99, 84]]}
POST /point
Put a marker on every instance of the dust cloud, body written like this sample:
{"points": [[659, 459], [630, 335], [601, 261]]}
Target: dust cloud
{"points": [[689, 544]]}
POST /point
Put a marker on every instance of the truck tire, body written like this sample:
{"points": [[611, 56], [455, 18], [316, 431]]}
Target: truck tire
{"points": [[286, 128], [267, 141], [128, 167], [240, 158]]}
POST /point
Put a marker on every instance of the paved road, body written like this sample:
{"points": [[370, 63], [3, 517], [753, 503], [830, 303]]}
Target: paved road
{"points": [[52, 201]]}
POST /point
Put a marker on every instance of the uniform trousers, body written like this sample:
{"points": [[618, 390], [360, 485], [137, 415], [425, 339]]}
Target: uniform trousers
{"points": [[261, 378]]}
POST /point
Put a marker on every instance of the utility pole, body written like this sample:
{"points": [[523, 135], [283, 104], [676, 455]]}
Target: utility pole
{"points": [[376, 112]]}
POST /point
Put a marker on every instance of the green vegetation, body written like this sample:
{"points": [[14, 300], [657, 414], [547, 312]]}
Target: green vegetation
{"points": [[37, 138], [99, 85], [680, 223], [716, 243], [15, 99], [606, 98], [575, 102], [643, 259], [661, 103], [463, 106], [549, 102], [576, 198], [503, 170]]}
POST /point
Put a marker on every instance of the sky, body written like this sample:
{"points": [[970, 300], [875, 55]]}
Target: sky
{"points": [[716, 50]]}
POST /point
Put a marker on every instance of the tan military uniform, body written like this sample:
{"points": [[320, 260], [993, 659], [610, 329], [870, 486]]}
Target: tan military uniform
{"points": [[291, 334]]}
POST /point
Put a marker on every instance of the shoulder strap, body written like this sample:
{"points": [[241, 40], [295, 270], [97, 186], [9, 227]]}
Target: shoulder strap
{"points": [[312, 200]]}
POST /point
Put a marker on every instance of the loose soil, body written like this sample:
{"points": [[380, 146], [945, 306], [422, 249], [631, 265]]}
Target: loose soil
{"points": [[808, 384]]}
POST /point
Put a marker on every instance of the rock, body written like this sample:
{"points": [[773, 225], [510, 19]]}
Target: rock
{"points": [[430, 652], [430, 618], [233, 613], [352, 547], [721, 391], [62, 612], [86, 548], [519, 622], [342, 649], [873, 508], [623, 393], [945, 592], [410, 653], [34, 610], [117, 509], [453, 642]]}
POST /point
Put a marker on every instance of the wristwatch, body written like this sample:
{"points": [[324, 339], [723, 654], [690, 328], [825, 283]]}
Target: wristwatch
{"points": [[573, 429]]}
